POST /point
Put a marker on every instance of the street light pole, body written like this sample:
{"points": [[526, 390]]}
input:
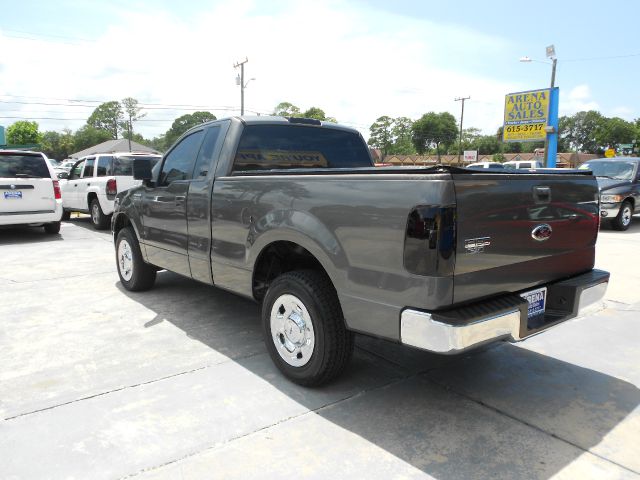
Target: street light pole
{"points": [[551, 53], [241, 83], [460, 99]]}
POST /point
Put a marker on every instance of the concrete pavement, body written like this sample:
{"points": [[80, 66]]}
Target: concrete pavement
{"points": [[97, 382]]}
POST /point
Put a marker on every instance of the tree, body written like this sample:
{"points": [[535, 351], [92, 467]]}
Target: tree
{"points": [[401, 131], [434, 129], [107, 117], [89, 136], [582, 131], [58, 145], [286, 109], [132, 112], [318, 114], [381, 134], [184, 123], [614, 131], [23, 132]]}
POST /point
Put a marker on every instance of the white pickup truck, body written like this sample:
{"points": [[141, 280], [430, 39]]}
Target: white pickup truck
{"points": [[93, 182]]}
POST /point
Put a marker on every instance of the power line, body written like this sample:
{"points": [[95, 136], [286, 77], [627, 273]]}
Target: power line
{"points": [[612, 57]]}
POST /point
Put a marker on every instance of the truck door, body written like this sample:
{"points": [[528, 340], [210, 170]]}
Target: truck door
{"points": [[164, 216], [199, 203]]}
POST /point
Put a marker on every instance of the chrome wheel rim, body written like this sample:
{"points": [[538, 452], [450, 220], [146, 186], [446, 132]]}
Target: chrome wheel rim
{"points": [[125, 260], [626, 216], [95, 214], [292, 330]]}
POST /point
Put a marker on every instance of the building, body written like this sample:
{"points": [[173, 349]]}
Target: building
{"points": [[111, 146]]}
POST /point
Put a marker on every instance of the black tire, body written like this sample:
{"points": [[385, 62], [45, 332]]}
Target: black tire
{"points": [[98, 218], [52, 228], [135, 275], [66, 215], [333, 343], [623, 219]]}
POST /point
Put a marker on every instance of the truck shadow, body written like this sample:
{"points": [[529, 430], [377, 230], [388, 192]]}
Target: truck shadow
{"points": [[502, 412]]}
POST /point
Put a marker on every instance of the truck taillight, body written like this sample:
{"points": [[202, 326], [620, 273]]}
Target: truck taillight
{"points": [[112, 187], [56, 190], [430, 240]]}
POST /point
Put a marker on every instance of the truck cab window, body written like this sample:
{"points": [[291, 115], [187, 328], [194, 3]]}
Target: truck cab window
{"points": [[205, 157], [179, 162], [266, 147]]}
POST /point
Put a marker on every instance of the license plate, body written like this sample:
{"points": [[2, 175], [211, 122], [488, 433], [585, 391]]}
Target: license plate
{"points": [[537, 300], [12, 194]]}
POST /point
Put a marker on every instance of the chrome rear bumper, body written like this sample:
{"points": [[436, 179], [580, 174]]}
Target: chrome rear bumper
{"points": [[430, 331]]}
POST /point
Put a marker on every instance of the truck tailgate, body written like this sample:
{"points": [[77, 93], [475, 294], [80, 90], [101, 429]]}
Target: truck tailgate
{"points": [[516, 231]]}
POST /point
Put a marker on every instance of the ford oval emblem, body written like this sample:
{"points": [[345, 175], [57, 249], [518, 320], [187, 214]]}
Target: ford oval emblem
{"points": [[541, 232]]}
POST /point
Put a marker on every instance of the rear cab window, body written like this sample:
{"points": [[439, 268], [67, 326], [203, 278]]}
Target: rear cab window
{"points": [[17, 165], [267, 147]]}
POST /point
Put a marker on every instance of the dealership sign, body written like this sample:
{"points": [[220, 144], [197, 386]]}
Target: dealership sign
{"points": [[526, 116]]}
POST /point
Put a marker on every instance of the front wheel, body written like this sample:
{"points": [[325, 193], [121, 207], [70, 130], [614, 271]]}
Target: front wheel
{"points": [[304, 328], [135, 275], [623, 219], [98, 218]]}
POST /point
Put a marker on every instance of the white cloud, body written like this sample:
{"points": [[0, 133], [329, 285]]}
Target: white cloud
{"points": [[577, 100], [355, 63]]}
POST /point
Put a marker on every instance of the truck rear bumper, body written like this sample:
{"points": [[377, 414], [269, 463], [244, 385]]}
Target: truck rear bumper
{"points": [[501, 318]]}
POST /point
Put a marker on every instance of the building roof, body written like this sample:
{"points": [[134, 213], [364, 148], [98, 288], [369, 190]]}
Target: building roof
{"points": [[111, 146]]}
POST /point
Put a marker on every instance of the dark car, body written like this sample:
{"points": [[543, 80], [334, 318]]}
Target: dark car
{"points": [[619, 184]]}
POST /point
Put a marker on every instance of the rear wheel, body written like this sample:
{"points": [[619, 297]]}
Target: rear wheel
{"points": [[135, 274], [304, 328], [623, 219], [98, 218], [52, 228]]}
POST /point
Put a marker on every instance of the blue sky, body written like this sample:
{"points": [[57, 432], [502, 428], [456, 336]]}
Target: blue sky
{"points": [[357, 60]]}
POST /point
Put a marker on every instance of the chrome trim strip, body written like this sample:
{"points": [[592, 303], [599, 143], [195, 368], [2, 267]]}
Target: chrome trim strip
{"points": [[419, 329]]}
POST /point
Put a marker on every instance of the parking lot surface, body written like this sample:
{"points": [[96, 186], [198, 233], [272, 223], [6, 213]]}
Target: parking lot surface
{"points": [[98, 382]]}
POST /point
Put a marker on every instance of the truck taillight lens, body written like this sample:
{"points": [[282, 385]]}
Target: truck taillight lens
{"points": [[56, 190], [112, 187], [430, 240]]}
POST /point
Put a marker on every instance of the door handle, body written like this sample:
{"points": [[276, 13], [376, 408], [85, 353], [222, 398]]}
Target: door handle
{"points": [[180, 200]]}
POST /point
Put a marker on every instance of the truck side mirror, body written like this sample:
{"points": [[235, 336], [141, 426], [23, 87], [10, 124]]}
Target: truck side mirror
{"points": [[142, 169]]}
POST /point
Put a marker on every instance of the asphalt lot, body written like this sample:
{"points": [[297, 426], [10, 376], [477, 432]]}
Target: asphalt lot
{"points": [[97, 382]]}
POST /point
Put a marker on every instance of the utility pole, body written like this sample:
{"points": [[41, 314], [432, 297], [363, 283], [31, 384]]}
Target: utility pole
{"points": [[460, 99], [240, 81]]}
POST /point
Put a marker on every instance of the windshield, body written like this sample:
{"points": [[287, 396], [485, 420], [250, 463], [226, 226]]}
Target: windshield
{"points": [[611, 169], [17, 165], [123, 165]]}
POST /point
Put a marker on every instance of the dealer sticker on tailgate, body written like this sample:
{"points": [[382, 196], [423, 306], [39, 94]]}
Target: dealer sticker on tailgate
{"points": [[12, 194], [537, 301]]}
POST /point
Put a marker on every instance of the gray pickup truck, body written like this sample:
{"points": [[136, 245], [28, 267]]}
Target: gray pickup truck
{"points": [[293, 214]]}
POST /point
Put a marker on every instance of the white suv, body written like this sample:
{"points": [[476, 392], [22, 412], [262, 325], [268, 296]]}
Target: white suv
{"points": [[94, 181], [519, 164], [29, 191]]}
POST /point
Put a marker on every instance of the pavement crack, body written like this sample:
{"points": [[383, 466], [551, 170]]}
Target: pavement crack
{"points": [[126, 387]]}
